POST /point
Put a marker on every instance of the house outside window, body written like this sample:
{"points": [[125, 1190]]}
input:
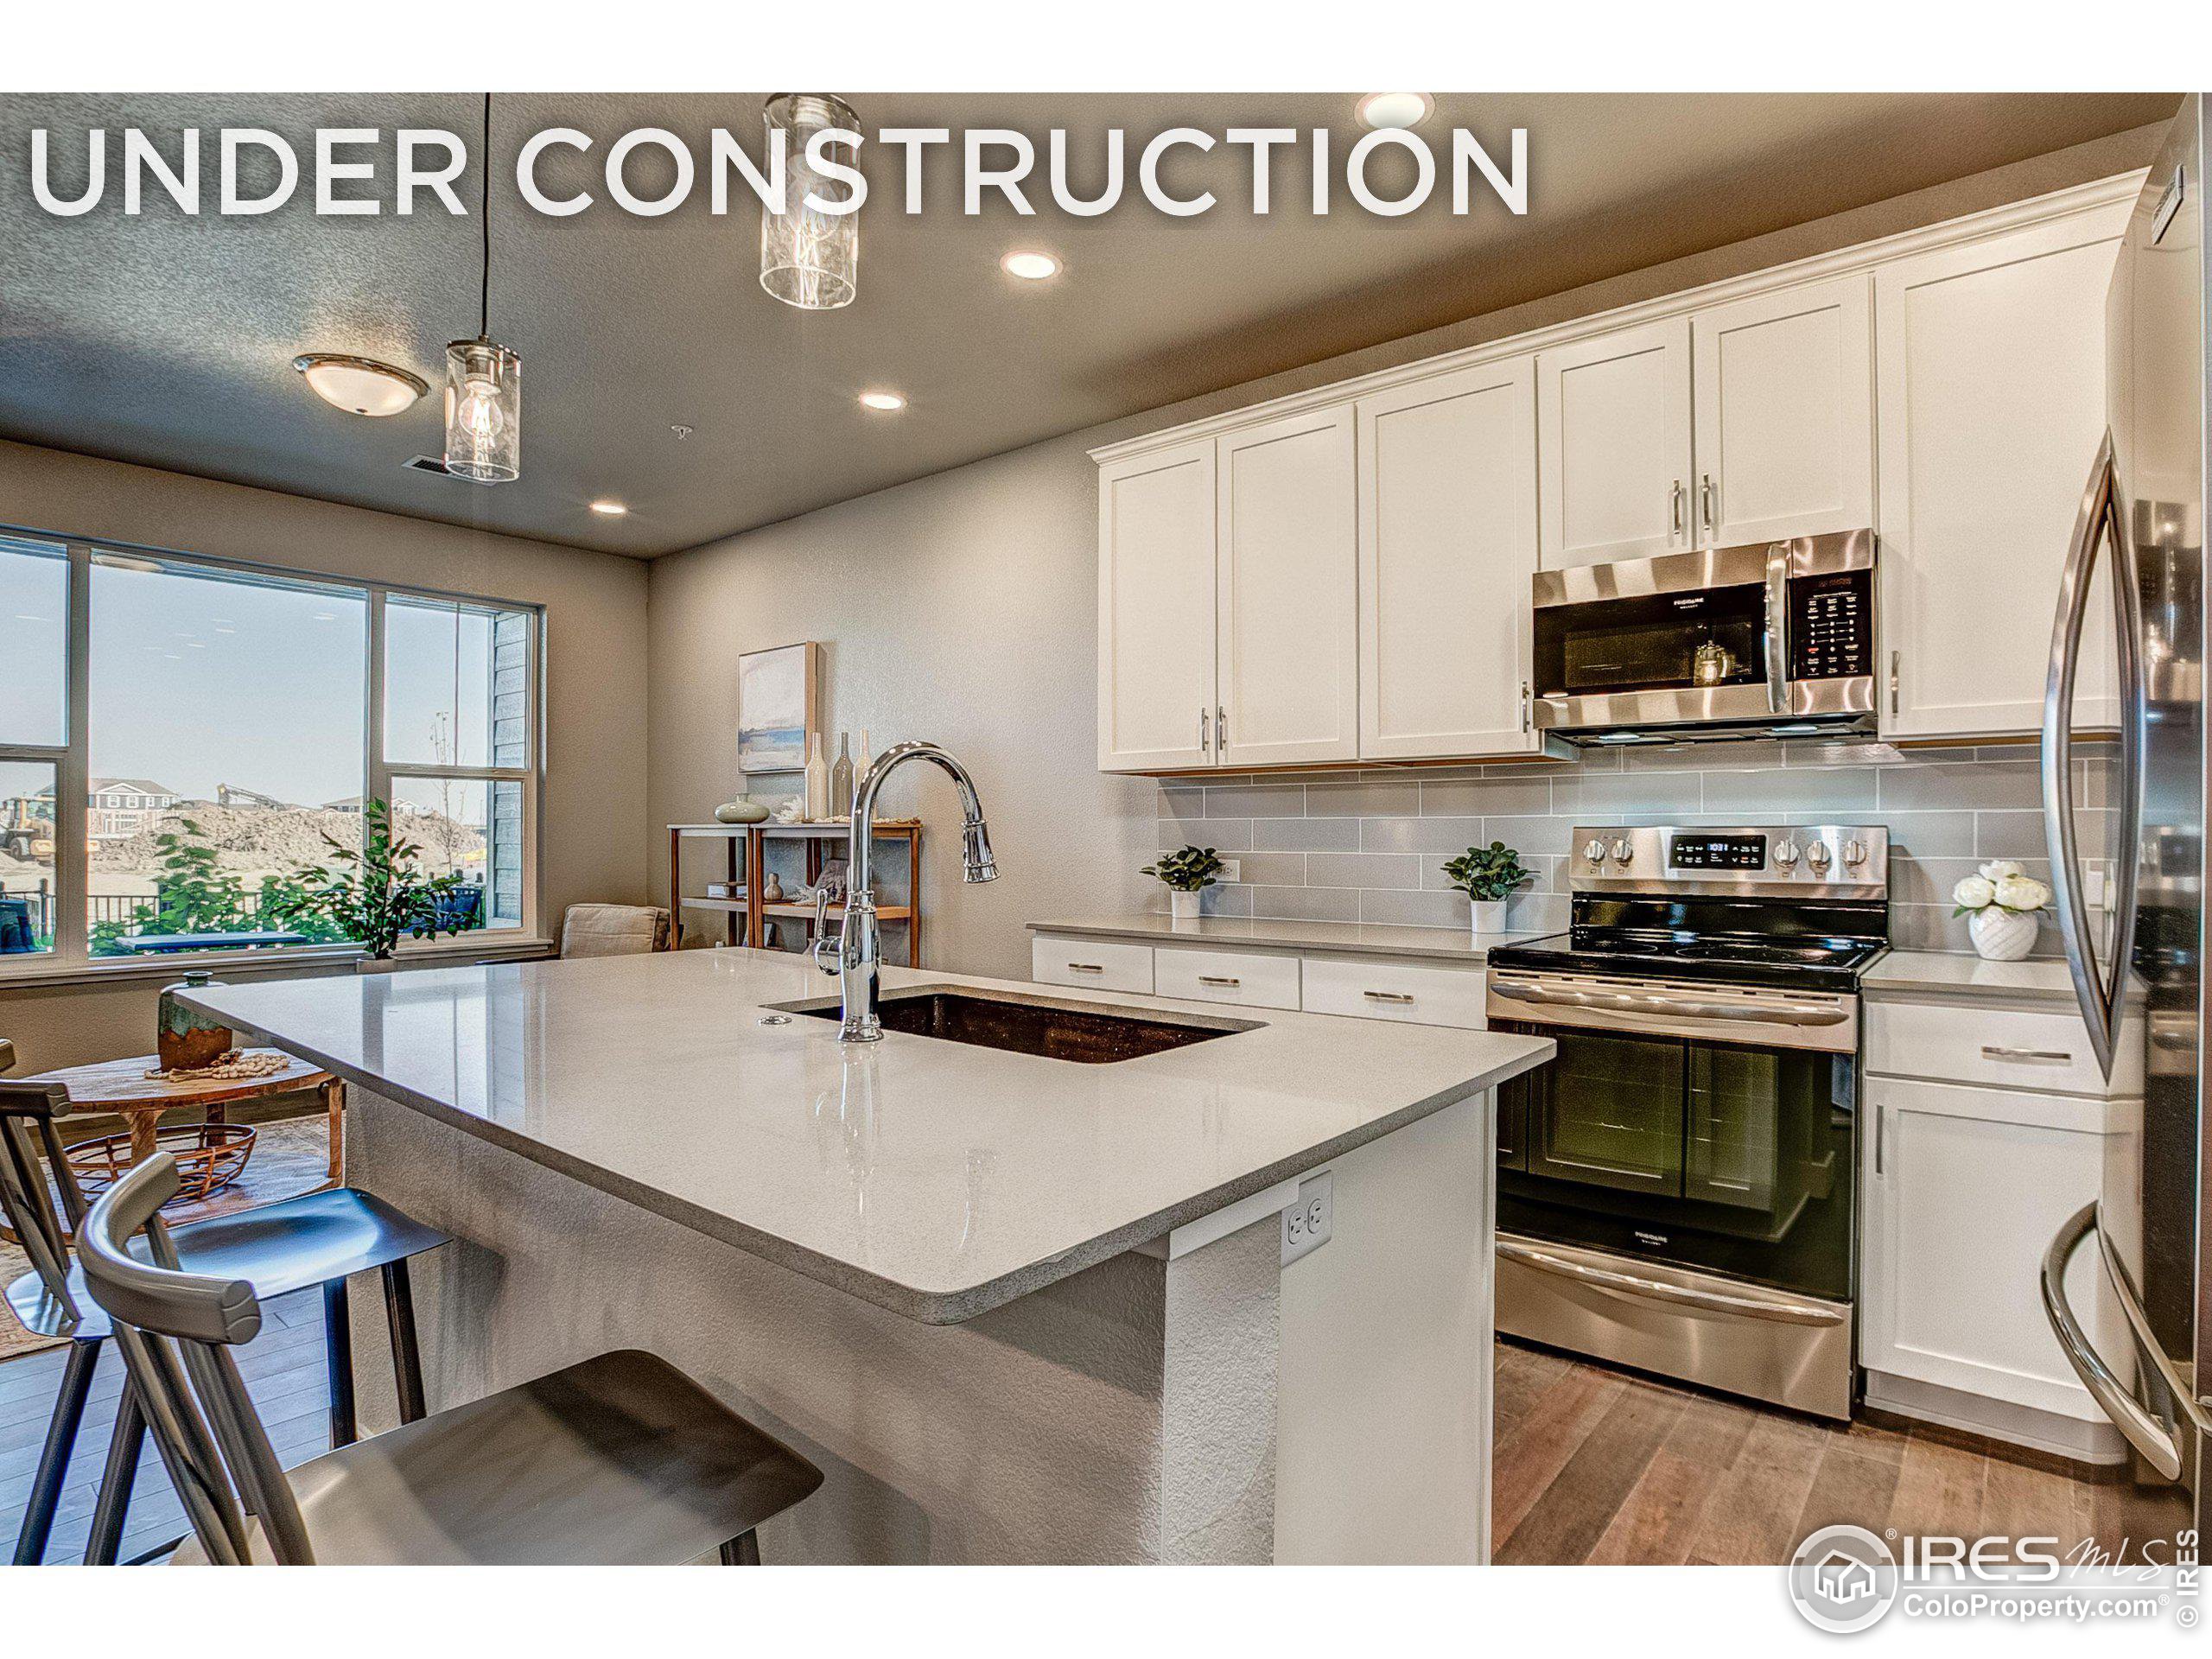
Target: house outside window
{"points": [[222, 726]]}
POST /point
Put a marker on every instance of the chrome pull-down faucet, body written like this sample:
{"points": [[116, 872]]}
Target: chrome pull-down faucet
{"points": [[856, 957]]}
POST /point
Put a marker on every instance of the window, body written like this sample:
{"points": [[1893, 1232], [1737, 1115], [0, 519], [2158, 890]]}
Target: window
{"points": [[218, 727]]}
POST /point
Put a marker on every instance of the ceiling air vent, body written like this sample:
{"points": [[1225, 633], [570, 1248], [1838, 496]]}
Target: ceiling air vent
{"points": [[429, 464]]}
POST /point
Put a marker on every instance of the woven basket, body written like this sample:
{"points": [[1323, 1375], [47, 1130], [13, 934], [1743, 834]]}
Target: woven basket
{"points": [[209, 1156]]}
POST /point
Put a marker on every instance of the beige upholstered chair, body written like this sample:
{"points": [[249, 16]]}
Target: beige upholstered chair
{"points": [[613, 930]]}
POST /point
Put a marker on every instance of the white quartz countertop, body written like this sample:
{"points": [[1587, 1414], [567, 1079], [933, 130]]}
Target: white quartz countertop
{"points": [[937, 1179], [1951, 974], [1446, 943]]}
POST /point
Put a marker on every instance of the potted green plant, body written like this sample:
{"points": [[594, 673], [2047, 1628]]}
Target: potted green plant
{"points": [[1487, 875], [374, 892], [1185, 872]]}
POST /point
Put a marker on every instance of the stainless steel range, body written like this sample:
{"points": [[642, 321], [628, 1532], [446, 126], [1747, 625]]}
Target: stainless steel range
{"points": [[1675, 1188]]}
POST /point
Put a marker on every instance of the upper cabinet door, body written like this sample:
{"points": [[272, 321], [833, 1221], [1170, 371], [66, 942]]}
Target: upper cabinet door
{"points": [[1614, 446], [1155, 610], [1288, 593], [1990, 405], [1447, 545], [1785, 415]]}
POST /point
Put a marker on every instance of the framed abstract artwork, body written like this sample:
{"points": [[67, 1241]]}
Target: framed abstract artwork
{"points": [[779, 706]]}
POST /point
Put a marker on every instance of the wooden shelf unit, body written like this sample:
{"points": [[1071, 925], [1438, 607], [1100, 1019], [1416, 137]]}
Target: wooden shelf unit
{"points": [[746, 918]]}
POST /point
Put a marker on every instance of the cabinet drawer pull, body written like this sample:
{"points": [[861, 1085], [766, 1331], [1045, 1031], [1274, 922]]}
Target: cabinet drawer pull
{"points": [[1894, 657], [1999, 1051], [1086, 967], [1219, 979], [1387, 997]]}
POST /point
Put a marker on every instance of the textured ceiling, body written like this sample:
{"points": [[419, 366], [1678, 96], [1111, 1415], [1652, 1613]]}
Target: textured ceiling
{"points": [[166, 339]]}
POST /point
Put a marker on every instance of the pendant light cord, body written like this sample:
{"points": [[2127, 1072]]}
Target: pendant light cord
{"points": [[484, 213]]}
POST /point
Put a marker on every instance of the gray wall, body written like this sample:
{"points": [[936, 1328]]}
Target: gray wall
{"points": [[593, 812], [1369, 845], [963, 608]]}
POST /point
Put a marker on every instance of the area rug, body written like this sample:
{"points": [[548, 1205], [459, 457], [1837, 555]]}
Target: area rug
{"points": [[290, 1156]]}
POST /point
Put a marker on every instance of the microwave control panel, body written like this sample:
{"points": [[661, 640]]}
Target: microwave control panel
{"points": [[1832, 625]]}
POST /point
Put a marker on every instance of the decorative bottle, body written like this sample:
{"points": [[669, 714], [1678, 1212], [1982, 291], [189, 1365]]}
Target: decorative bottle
{"points": [[840, 778], [817, 780]]}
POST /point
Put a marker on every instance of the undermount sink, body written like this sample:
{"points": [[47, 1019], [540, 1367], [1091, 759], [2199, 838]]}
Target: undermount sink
{"points": [[1089, 1033]]}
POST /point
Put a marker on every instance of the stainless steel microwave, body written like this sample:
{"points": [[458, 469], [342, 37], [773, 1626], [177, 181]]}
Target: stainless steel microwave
{"points": [[1775, 638]]}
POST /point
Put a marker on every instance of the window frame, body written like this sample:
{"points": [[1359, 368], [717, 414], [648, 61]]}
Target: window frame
{"points": [[71, 957]]}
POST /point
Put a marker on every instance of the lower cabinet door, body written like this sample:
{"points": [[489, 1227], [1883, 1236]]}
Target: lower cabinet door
{"points": [[1965, 1190]]}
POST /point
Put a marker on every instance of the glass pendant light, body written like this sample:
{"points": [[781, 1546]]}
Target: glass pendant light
{"points": [[484, 379], [809, 259]]}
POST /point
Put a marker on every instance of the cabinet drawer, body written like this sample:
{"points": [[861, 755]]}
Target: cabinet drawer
{"points": [[1108, 964], [1418, 994], [1251, 978], [2010, 1047]]}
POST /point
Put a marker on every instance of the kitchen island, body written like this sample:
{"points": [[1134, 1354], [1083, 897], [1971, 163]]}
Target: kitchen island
{"points": [[1018, 1308]]}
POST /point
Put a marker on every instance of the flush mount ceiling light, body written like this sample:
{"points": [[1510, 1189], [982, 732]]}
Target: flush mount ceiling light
{"points": [[484, 379], [1030, 266], [1395, 109], [884, 401], [809, 259], [607, 506], [361, 386]]}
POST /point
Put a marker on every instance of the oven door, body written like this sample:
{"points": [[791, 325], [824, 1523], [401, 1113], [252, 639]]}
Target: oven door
{"points": [[1726, 1157]]}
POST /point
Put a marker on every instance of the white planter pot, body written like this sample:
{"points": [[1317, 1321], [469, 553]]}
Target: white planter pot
{"points": [[1488, 915], [374, 965], [1183, 906], [2001, 935]]}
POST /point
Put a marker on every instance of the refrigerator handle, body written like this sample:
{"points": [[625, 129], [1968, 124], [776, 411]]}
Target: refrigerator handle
{"points": [[2102, 992], [2158, 1439]]}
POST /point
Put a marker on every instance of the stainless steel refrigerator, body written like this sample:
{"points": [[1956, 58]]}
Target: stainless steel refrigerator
{"points": [[2126, 831]]}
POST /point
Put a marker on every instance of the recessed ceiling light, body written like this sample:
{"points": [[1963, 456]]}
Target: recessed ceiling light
{"points": [[359, 384], [609, 506], [884, 401], [1030, 265], [1382, 110]]}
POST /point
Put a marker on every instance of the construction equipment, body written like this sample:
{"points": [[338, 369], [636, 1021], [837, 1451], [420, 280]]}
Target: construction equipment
{"points": [[27, 827], [236, 795]]}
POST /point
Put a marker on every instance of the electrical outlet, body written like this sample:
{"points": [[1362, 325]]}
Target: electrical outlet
{"points": [[1305, 1223], [1228, 870]]}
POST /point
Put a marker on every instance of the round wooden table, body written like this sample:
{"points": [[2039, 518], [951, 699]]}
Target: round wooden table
{"points": [[122, 1087]]}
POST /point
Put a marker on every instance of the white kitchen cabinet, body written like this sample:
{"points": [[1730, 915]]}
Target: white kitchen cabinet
{"points": [[1613, 445], [1990, 405], [1447, 545], [1287, 593], [1156, 527], [1965, 1187], [1252, 979], [1784, 390]]}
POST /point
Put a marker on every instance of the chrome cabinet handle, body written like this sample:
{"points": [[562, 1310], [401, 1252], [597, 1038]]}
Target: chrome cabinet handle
{"points": [[1086, 967], [1219, 979], [1709, 501], [1206, 732], [1881, 1119], [1524, 705], [1894, 656], [2000, 1051], [1220, 729], [1779, 1309], [2102, 1003], [2159, 1442], [1777, 616], [1386, 996], [1677, 498]]}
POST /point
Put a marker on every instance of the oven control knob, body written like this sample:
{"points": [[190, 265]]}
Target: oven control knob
{"points": [[1855, 852], [1817, 855], [1785, 855], [1594, 851], [1623, 851]]}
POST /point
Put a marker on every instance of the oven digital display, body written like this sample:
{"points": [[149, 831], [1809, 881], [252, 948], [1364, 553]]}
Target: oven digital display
{"points": [[1718, 853]]}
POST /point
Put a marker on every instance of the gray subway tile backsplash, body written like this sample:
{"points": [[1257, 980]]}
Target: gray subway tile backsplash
{"points": [[1369, 844]]}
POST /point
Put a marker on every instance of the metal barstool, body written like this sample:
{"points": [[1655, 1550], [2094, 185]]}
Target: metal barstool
{"points": [[316, 1239], [619, 1460]]}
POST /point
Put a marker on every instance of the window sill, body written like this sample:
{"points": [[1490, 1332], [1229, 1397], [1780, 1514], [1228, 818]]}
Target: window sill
{"points": [[243, 969]]}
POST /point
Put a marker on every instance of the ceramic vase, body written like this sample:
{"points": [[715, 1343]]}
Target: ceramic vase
{"points": [[1488, 916], [185, 1038], [740, 810], [2001, 935], [1183, 906]]}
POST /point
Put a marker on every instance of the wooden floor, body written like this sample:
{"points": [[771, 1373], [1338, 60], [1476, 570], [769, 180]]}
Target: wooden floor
{"points": [[283, 1370], [1598, 1465]]}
